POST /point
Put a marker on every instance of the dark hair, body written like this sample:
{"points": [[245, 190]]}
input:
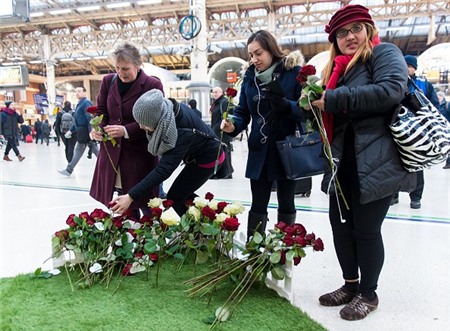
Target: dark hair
{"points": [[268, 43], [193, 104], [67, 104]]}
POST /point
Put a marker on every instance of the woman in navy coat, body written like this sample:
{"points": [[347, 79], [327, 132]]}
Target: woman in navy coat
{"points": [[268, 99], [118, 93]]}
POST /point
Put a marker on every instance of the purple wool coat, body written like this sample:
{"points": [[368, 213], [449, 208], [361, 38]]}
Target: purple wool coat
{"points": [[130, 155]]}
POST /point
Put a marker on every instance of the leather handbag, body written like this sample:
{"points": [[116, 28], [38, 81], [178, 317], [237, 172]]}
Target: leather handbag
{"points": [[300, 154], [420, 131]]}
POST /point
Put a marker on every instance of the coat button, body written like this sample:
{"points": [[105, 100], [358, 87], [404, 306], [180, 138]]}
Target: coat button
{"points": [[119, 120], [118, 145]]}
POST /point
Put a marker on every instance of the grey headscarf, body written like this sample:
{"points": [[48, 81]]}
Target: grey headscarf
{"points": [[154, 111]]}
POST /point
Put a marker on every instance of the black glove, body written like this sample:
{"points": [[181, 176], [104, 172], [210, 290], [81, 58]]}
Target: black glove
{"points": [[275, 94]]}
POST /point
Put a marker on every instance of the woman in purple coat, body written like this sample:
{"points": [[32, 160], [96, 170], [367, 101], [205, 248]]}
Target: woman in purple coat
{"points": [[132, 162]]}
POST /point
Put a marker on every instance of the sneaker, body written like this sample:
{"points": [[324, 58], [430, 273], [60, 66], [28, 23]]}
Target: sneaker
{"points": [[415, 204], [359, 308], [64, 172], [6, 158], [339, 297]]}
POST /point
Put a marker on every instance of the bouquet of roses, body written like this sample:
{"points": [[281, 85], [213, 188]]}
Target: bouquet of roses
{"points": [[262, 254], [312, 90]]}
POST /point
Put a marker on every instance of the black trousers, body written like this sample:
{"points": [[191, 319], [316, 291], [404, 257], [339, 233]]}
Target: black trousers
{"points": [[11, 144], [261, 190], [190, 179], [358, 241]]}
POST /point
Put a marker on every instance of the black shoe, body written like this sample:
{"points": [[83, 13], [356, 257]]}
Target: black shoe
{"points": [[89, 156], [415, 204], [447, 166], [394, 201]]}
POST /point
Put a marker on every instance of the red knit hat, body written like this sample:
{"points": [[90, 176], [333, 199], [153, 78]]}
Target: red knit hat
{"points": [[345, 15]]}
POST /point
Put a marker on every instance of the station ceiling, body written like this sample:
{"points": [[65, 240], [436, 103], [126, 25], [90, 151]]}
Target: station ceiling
{"points": [[77, 36]]}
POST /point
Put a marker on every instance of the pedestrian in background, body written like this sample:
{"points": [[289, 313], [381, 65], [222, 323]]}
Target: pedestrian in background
{"points": [[10, 119], [193, 105]]}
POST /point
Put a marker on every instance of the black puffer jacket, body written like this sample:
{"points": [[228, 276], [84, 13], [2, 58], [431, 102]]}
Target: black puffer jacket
{"points": [[192, 146], [365, 99]]}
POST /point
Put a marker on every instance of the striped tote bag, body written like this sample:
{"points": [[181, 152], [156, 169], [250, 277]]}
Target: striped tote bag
{"points": [[421, 133]]}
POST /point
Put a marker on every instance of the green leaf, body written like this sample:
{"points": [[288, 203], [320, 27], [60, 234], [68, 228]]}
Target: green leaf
{"points": [[290, 255], [278, 273], [303, 103], [179, 256], [209, 320], [201, 257], [257, 237], [150, 247], [38, 271], [222, 314], [275, 257], [209, 230]]}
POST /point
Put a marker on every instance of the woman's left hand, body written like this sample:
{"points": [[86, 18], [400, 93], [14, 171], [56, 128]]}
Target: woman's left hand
{"points": [[115, 131], [120, 204]]}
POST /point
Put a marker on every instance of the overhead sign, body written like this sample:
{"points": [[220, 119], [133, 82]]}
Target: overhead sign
{"points": [[13, 76]]}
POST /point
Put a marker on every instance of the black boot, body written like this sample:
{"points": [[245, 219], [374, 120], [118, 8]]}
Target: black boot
{"points": [[256, 222], [289, 219]]}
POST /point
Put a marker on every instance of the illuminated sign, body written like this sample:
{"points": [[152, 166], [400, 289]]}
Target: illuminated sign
{"points": [[13, 76]]}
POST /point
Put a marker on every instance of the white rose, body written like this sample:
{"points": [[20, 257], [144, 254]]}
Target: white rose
{"points": [[200, 202], [128, 224], [96, 268], [221, 217], [213, 204], [155, 202], [194, 212], [234, 208], [100, 226], [170, 217]]}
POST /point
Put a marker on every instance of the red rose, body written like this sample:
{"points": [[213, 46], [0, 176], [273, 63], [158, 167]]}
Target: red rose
{"points": [[71, 221], [230, 224], [281, 226], [189, 202], [153, 257], [304, 72], [318, 245], [131, 231], [126, 270], [167, 204], [301, 241], [117, 221], [283, 257], [99, 214], [146, 219], [90, 221], [209, 212], [62, 234], [156, 212], [288, 240], [139, 255], [289, 230], [84, 215], [310, 237], [92, 110], [231, 92], [297, 260], [221, 206], [299, 230], [209, 196]]}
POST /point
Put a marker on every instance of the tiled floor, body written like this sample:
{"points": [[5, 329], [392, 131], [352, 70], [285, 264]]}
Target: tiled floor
{"points": [[414, 287]]}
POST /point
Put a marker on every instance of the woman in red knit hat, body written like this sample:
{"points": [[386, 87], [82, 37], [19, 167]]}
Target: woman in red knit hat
{"points": [[365, 81]]}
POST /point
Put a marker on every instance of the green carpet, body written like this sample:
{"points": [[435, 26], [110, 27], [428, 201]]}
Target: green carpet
{"points": [[49, 304]]}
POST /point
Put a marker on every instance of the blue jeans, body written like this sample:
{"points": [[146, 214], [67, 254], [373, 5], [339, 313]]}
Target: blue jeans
{"points": [[78, 153]]}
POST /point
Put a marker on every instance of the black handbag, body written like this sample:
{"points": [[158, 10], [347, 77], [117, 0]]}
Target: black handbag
{"points": [[421, 133], [300, 154]]}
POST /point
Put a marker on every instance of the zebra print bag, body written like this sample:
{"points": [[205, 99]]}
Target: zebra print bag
{"points": [[421, 133]]}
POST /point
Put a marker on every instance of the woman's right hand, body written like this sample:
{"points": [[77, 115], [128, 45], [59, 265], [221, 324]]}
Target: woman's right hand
{"points": [[96, 135], [227, 126]]}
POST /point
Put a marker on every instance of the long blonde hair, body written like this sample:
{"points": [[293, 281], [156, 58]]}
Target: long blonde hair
{"points": [[362, 54]]}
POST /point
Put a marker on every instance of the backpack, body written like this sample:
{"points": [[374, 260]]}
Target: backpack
{"points": [[66, 122]]}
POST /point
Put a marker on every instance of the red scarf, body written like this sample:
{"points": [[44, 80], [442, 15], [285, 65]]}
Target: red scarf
{"points": [[340, 64]]}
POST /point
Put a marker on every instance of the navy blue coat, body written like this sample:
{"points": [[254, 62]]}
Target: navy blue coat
{"points": [[254, 107]]}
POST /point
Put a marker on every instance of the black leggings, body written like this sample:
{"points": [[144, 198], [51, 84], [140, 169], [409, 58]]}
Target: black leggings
{"points": [[261, 190], [358, 241]]}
